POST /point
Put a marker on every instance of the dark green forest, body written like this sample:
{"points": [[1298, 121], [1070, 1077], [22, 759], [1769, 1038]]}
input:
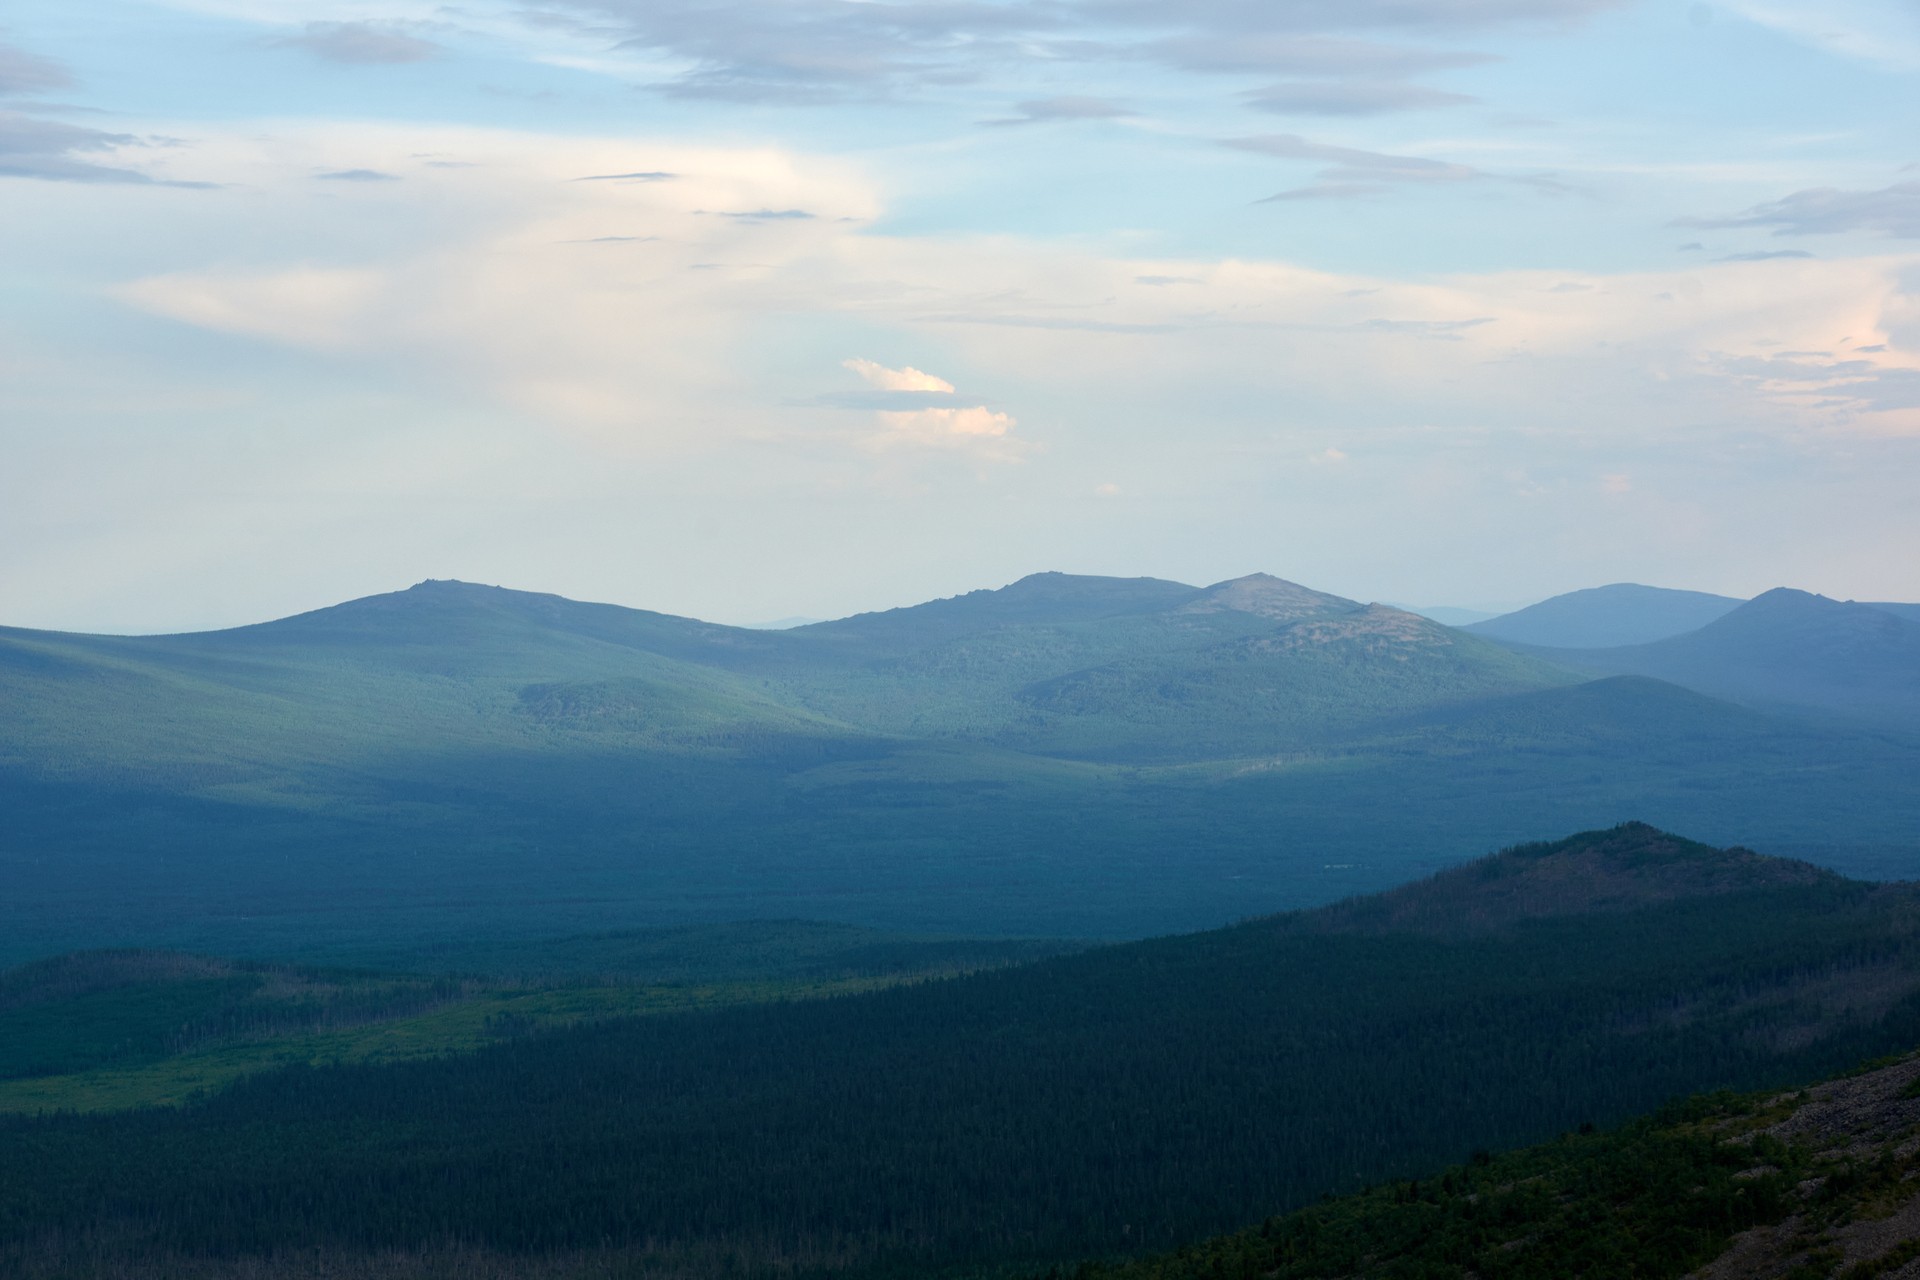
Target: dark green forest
{"points": [[1124, 1099], [1810, 1184]]}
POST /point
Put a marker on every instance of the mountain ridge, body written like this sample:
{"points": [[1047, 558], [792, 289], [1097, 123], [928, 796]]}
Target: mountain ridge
{"points": [[1620, 613], [1788, 648], [1625, 868]]}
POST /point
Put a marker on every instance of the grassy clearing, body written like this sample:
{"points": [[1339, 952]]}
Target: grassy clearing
{"points": [[120, 1030]]}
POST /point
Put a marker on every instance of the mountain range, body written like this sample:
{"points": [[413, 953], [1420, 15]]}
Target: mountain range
{"points": [[1065, 756]]}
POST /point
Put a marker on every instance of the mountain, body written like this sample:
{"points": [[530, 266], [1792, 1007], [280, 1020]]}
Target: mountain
{"points": [[1039, 598], [1911, 612], [1065, 756], [1122, 1099], [1602, 617], [1451, 615], [1789, 649], [1635, 866]]}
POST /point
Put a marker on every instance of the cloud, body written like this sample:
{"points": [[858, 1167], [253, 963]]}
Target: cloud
{"points": [[1351, 97], [23, 72], [56, 151], [904, 379], [942, 424], [1303, 55], [826, 51], [474, 295], [900, 401], [357, 175], [1352, 172], [1430, 328], [361, 43], [1351, 162], [1328, 457], [1765, 255], [1163, 281], [1355, 172], [768, 215], [651, 175], [1891, 211], [1045, 110]]}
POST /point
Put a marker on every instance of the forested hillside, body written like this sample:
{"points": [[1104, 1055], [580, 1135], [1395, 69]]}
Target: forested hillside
{"points": [[1123, 1099], [1811, 1183]]}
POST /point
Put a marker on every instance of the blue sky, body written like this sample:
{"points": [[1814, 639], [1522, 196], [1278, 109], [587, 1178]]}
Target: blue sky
{"points": [[778, 307]]}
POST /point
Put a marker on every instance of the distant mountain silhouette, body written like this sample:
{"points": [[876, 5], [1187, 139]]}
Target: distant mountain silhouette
{"points": [[1790, 649], [1603, 617]]}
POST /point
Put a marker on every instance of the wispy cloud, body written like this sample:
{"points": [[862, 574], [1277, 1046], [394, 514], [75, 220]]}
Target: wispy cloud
{"points": [[1354, 172], [1047, 110], [1269, 53], [1351, 97], [357, 175], [23, 72], [361, 43], [1891, 211], [826, 51], [651, 175], [60, 152]]}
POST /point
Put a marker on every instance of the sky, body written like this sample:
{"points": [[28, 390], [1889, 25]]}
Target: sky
{"points": [[746, 309]]}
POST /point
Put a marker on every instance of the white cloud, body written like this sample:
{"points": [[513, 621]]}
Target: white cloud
{"points": [[940, 424], [906, 379]]}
